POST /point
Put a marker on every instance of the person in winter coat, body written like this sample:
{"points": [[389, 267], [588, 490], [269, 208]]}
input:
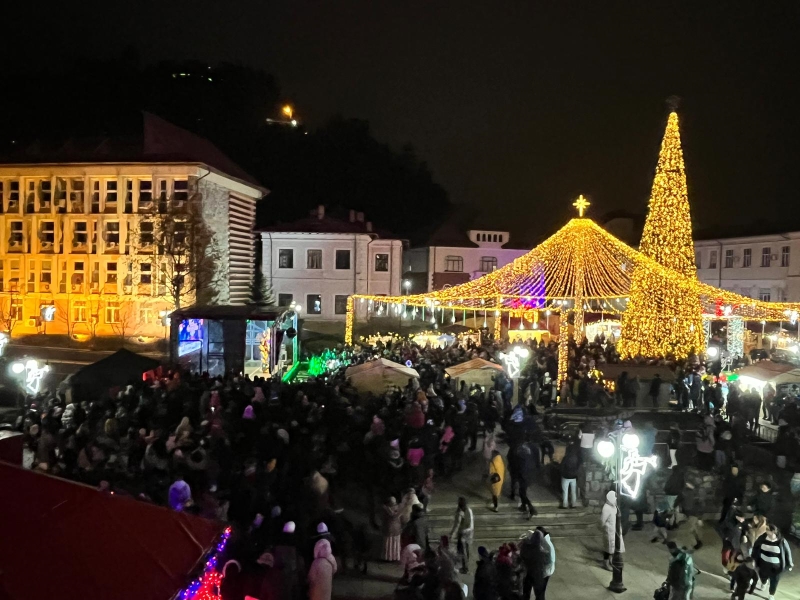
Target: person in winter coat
{"points": [[289, 561], [485, 586], [463, 532], [754, 530], [680, 575], [743, 580], [704, 442], [320, 575], [391, 531], [764, 501], [673, 443], [687, 501], [497, 474], [416, 530], [408, 503], [570, 467], [608, 521], [773, 557], [539, 559]]}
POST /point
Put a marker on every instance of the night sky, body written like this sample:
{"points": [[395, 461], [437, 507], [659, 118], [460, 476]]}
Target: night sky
{"points": [[518, 106]]}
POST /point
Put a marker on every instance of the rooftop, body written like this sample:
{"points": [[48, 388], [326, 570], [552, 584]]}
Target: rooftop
{"points": [[319, 221], [150, 140]]}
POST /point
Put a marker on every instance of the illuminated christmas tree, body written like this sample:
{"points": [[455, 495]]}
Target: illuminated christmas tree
{"points": [[664, 317]]}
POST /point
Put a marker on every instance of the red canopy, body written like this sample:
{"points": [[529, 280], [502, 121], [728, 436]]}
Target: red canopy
{"points": [[68, 541]]}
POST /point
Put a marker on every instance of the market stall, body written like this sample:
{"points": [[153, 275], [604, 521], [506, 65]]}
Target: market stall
{"points": [[475, 371], [379, 375], [766, 371]]}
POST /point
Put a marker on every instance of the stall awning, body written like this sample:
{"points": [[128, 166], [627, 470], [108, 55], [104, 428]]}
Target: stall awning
{"points": [[472, 365]]}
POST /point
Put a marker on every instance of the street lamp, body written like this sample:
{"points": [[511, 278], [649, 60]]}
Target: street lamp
{"points": [[406, 286], [630, 473]]}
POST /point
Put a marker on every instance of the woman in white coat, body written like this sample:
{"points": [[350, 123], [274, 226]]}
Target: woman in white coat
{"points": [[608, 520]]}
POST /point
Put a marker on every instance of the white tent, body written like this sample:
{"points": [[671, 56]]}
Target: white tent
{"points": [[767, 371], [379, 375], [477, 370]]}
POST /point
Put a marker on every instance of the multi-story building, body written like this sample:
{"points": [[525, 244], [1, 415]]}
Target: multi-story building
{"points": [[766, 267], [104, 240], [320, 260], [454, 258]]}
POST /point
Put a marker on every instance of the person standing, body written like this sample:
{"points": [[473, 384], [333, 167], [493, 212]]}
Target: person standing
{"points": [[539, 560], [655, 389], [497, 474], [570, 467], [687, 501], [743, 580], [525, 458], [680, 575], [773, 558], [673, 443], [463, 532], [608, 521], [391, 531], [320, 575]]}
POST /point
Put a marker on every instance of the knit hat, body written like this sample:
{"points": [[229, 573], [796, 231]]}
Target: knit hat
{"points": [[322, 528], [289, 527], [248, 412]]}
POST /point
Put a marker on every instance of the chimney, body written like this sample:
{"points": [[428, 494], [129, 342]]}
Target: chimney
{"points": [[352, 216], [321, 212], [360, 217], [369, 226]]}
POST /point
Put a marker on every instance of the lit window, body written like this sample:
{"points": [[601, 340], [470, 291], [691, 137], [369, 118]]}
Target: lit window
{"points": [[314, 259], [381, 262], [285, 258], [314, 306], [453, 264]]}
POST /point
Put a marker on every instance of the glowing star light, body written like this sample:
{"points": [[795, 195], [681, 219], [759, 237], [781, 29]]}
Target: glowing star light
{"points": [[581, 204]]}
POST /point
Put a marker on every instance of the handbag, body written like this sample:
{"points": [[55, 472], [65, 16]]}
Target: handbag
{"points": [[662, 593]]}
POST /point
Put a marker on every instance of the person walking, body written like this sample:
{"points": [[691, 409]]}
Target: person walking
{"points": [[687, 501], [391, 531], [320, 575], [539, 560], [570, 467], [743, 580], [525, 465], [463, 532], [680, 575], [773, 557], [497, 474], [673, 443], [608, 521]]}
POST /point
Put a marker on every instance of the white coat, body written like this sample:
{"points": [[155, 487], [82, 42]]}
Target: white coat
{"points": [[608, 520]]}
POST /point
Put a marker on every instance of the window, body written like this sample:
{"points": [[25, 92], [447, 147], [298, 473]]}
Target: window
{"points": [[785, 256], [17, 237], [45, 195], [314, 259], [712, 261], [728, 259], [147, 314], [111, 272], [180, 191], [47, 235], [488, 264], [15, 313], [286, 258], [30, 197], [128, 208], [285, 299], [314, 306], [79, 311], [112, 312], [61, 194], [146, 236], [145, 193], [453, 264], [46, 278], [764, 294], [76, 195], [95, 196], [12, 205], [343, 259], [766, 257], [111, 234], [698, 258], [111, 195], [162, 196], [31, 276], [381, 262], [146, 274], [747, 257], [340, 304], [77, 277], [500, 238], [179, 233], [80, 233]]}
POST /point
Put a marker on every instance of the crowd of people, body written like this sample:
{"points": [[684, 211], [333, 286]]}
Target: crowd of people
{"points": [[279, 461]]}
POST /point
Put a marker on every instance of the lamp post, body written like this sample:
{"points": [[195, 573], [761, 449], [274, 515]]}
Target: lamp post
{"points": [[607, 449], [514, 361], [406, 286]]}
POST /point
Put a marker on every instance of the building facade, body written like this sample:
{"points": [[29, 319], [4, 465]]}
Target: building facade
{"points": [[109, 248], [320, 261], [457, 261], [765, 267]]}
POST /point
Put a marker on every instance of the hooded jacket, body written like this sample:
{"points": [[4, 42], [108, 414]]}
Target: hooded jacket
{"points": [[608, 520], [320, 575]]}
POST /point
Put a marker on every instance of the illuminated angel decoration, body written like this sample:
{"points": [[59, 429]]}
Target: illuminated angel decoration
{"points": [[634, 467]]}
